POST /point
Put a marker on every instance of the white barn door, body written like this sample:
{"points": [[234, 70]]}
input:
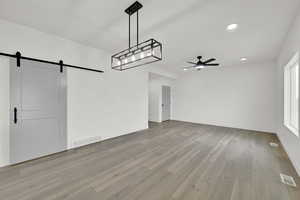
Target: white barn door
{"points": [[38, 110]]}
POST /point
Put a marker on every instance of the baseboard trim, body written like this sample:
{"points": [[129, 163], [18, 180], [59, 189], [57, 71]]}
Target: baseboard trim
{"points": [[237, 128], [155, 121], [85, 141], [72, 148], [108, 139], [284, 148]]}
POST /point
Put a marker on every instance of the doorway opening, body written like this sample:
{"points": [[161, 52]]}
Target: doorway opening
{"points": [[160, 98]]}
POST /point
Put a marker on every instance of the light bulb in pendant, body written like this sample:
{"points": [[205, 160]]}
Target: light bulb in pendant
{"points": [[125, 60], [133, 58], [149, 53], [119, 62], [142, 55]]}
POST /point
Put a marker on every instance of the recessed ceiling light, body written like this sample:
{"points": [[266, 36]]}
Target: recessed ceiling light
{"points": [[232, 27], [185, 69], [243, 59]]}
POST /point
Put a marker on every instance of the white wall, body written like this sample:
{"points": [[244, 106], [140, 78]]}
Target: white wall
{"points": [[108, 105], [239, 96], [155, 95], [100, 106], [290, 142]]}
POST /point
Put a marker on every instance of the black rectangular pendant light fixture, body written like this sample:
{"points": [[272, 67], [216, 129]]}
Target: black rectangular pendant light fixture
{"points": [[140, 54]]}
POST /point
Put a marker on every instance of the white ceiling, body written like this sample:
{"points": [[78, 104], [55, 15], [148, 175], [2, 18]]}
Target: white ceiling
{"points": [[187, 28]]}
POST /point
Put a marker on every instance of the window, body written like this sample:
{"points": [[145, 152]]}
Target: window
{"points": [[291, 95]]}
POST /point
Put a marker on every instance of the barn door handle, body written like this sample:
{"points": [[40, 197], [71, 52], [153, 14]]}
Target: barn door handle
{"points": [[15, 115]]}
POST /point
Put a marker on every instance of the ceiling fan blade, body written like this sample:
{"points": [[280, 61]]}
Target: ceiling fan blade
{"points": [[192, 63], [188, 67], [213, 64], [210, 60]]}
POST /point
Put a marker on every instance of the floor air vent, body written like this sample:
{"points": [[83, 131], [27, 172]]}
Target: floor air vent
{"points": [[272, 144], [288, 180]]}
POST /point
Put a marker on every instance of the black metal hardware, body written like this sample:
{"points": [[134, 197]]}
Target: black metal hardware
{"points": [[137, 28], [19, 57], [145, 52], [61, 63], [133, 8], [148, 45], [15, 115], [129, 33]]}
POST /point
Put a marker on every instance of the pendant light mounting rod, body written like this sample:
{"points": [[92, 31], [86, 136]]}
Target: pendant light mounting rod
{"points": [[134, 8]]}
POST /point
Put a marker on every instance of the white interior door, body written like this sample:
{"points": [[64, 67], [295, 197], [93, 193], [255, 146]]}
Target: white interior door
{"points": [[166, 103], [38, 110]]}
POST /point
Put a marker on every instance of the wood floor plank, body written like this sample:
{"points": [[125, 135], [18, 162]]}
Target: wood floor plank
{"points": [[169, 161]]}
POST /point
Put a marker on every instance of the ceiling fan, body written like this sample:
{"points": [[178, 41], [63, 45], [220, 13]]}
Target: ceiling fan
{"points": [[202, 64]]}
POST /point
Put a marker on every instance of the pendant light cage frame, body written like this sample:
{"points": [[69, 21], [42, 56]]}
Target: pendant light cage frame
{"points": [[147, 52], [144, 53]]}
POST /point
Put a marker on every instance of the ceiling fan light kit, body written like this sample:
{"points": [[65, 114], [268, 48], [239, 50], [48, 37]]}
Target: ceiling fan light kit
{"points": [[201, 64], [199, 67], [143, 53]]}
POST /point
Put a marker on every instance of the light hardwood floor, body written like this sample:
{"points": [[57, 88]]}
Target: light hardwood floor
{"points": [[172, 160]]}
